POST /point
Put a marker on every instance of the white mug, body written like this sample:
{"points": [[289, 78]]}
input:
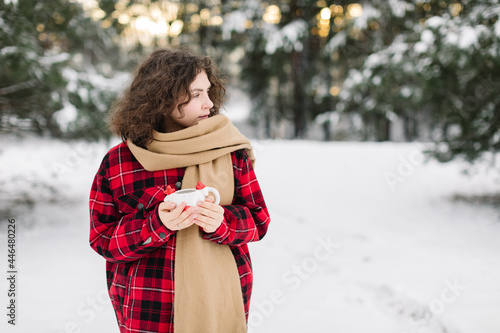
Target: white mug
{"points": [[191, 196]]}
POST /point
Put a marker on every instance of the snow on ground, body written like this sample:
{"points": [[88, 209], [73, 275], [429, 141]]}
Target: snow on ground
{"points": [[364, 238]]}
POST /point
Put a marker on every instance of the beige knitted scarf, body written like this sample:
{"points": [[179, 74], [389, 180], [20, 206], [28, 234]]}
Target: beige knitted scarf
{"points": [[207, 295]]}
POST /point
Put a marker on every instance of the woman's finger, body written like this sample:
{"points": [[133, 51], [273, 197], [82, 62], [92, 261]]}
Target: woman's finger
{"points": [[185, 219], [167, 206], [210, 206]]}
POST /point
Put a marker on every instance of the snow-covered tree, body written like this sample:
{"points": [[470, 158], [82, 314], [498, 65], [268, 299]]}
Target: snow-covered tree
{"points": [[55, 68], [282, 48], [441, 73]]}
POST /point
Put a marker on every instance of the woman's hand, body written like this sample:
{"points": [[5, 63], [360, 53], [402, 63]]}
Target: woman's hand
{"points": [[174, 218], [210, 215]]}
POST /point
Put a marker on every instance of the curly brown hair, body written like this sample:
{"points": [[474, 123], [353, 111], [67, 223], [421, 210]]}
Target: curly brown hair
{"points": [[160, 84]]}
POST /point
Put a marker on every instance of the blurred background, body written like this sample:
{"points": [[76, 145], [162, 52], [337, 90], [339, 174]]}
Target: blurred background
{"points": [[381, 117], [327, 70]]}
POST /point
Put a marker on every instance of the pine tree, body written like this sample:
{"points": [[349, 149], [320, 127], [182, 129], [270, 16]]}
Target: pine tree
{"points": [[280, 61], [440, 73], [53, 62]]}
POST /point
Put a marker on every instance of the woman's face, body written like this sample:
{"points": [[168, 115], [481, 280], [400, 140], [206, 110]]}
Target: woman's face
{"points": [[197, 109]]}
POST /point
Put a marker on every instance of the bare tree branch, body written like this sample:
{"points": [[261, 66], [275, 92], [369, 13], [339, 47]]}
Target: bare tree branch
{"points": [[17, 87]]}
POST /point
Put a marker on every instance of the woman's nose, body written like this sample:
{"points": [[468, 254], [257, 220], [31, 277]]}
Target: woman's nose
{"points": [[208, 103]]}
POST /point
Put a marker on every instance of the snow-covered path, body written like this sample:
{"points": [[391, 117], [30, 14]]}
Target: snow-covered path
{"points": [[364, 238]]}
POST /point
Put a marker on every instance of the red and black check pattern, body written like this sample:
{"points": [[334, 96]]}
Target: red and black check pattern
{"points": [[139, 250]]}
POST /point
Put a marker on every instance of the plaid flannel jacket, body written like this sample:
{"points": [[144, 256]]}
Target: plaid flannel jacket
{"points": [[139, 250]]}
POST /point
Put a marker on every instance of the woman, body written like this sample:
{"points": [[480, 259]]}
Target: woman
{"points": [[167, 266]]}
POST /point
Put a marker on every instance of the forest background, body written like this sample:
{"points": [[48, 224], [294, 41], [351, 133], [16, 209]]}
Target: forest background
{"points": [[414, 70]]}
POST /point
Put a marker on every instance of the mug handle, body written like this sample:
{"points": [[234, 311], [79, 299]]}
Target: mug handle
{"points": [[214, 192]]}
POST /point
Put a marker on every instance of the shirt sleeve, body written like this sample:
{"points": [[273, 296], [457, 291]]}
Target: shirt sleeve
{"points": [[247, 218], [122, 238]]}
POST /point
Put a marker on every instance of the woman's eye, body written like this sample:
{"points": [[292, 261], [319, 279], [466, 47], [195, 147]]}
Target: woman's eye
{"points": [[196, 95]]}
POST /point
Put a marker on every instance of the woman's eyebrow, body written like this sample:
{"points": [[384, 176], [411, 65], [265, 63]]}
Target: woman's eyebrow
{"points": [[199, 89]]}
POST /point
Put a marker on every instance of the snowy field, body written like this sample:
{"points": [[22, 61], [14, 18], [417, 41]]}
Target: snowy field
{"points": [[364, 237]]}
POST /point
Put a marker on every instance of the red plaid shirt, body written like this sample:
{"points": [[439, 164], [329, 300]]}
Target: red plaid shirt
{"points": [[139, 250]]}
